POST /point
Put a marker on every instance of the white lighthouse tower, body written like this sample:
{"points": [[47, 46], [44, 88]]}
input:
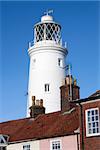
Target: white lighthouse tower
{"points": [[47, 64]]}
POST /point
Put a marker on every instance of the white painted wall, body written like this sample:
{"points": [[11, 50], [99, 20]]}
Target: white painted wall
{"points": [[44, 70], [34, 145]]}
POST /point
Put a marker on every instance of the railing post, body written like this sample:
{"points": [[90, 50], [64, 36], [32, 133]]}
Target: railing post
{"points": [[65, 45], [29, 45], [61, 42]]}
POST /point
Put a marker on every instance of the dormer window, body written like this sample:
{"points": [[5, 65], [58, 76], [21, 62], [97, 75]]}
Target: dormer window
{"points": [[92, 122]]}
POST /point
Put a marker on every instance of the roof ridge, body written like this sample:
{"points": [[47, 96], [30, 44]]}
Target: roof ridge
{"points": [[51, 113], [14, 120], [97, 93]]}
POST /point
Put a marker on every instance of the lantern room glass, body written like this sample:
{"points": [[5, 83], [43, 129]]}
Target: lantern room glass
{"points": [[47, 31]]}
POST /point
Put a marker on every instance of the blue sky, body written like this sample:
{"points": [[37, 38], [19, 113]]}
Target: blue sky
{"points": [[80, 28]]}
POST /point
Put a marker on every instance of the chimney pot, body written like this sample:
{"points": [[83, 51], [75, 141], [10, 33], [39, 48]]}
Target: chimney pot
{"points": [[37, 102], [41, 102], [33, 100]]}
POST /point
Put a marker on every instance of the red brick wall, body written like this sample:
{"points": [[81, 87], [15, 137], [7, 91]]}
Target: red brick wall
{"points": [[64, 92], [93, 142]]}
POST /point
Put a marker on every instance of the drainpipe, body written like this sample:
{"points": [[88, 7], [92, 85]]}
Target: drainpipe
{"points": [[77, 142], [81, 110]]}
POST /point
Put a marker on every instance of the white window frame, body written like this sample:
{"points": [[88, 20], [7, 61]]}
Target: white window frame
{"points": [[26, 148], [91, 122], [47, 87], [60, 62], [55, 140]]}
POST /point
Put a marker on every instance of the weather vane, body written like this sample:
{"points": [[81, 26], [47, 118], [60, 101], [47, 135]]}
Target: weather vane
{"points": [[47, 12]]}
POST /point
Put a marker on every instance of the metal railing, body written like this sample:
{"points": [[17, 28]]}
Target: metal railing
{"points": [[63, 44]]}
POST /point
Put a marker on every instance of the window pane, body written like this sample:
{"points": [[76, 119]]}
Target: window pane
{"points": [[47, 86], [92, 112], [96, 117], [96, 111], [92, 118], [97, 130], [93, 124], [60, 62], [94, 130], [97, 124], [89, 131], [89, 125], [88, 119], [88, 113]]}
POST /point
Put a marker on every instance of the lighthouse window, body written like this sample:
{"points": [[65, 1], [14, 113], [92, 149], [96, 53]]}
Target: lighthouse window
{"points": [[33, 63], [60, 62], [47, 87]]}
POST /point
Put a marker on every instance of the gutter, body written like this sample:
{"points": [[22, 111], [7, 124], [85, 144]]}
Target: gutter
{"points": [[77, 142], [77, 135], [81, 120], [81, 110]]}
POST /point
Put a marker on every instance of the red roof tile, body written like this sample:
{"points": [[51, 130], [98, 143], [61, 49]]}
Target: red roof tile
{"points": [[44, 126]]}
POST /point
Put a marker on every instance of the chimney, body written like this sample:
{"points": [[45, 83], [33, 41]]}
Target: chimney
{"points": [[69, 92], [36, 108]]}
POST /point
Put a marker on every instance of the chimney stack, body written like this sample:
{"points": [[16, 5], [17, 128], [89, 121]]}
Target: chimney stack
{"points": [[37, 107], [69, 92]]}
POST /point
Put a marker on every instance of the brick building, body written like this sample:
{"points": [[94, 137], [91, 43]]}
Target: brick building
{"points": [[90, 122], [75, 127]]}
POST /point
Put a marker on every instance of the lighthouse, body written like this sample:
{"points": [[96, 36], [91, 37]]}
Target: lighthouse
{"points": [[47, 64]]}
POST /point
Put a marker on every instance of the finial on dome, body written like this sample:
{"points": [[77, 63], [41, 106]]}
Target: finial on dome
{"points": [[47, 12], [47, 17]]}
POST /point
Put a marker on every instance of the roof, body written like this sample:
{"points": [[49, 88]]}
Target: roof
{"points": [[97, 93], [44, 126], [93, 97]]}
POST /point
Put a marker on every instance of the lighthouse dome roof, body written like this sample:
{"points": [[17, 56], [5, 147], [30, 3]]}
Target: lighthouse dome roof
{"points": [[46, 18]]}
